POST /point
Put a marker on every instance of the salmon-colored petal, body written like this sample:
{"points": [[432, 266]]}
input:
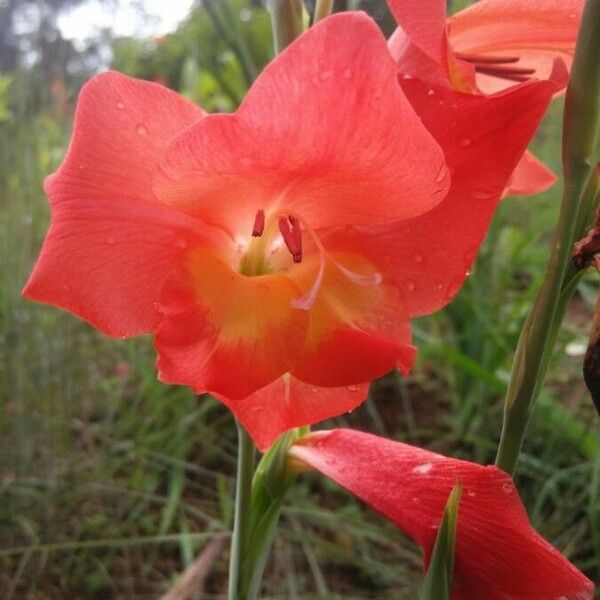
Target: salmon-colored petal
{"points": [[499, 556], [536, 31], [358, 328], [483, 138], [325, 132], [424, 23], [289, 402], [106, 263], [111, 244], [226, 333], [530, 177]]}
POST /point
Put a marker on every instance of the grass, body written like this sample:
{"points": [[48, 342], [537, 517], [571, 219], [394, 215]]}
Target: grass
{"points": [[110, 482]]}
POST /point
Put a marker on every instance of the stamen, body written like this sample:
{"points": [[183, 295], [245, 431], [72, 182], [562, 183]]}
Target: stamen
{"points": [[292, 236], [490, 60], [259, 223]]}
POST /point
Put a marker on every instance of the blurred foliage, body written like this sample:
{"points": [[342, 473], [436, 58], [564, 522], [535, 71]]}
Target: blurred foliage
{"points": [[111, 483]]}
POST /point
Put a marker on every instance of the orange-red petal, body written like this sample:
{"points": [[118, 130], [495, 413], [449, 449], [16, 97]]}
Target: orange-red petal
{"points": [[289, 402], [484, 138], [537, 31], [498, 556], [225, 333], [325, 132], [530, 177], [111, 243]]}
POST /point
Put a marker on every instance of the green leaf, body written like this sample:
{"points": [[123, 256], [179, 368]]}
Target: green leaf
{"points": [[438, 581]]}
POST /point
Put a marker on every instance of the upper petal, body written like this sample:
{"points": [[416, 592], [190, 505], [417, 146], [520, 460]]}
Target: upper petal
{"points": [[424, 23], [499, 556], [484, 138], [111, 244], [536, 31], [289, 402], [325, 132]]}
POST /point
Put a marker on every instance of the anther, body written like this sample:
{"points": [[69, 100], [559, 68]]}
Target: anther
{"points": [[292, 236], [259, 223]]}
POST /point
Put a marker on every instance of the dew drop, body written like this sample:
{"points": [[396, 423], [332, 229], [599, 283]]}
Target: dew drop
{"points": [[482, 195], [352, 388], [573, 15], [407, 76], [347, 73], [120, 105], [410, 285], [416, 500], [325, 75], [246, 161], [110, 240], [330, 461], [423, 469], [464, 142], [471, 493], [430, 92], [442, 174], [507, 488], [141, 130], [156, 306], [418, 258], [181, 243], [439, 287]]}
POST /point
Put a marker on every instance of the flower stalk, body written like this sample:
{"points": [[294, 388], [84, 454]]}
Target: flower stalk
{"points": [[580, 134], [287, 20]]}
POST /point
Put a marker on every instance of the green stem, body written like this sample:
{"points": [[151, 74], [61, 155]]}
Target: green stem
{"points": [[286, 16], [534, 349], [242, 516], [322, 9]]}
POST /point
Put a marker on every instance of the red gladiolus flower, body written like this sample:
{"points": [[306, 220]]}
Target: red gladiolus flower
{"points": [[211, 232], [485, 48], [499, 556]]}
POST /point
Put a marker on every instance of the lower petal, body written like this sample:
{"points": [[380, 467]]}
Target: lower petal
{"points": [[499, 556], [289, 402], [226, 333], [358, 327]]}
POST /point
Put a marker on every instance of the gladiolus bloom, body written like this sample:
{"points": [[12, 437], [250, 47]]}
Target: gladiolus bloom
{"points": [[278, 253], [490, 46], [499, 556], [210, 232]]}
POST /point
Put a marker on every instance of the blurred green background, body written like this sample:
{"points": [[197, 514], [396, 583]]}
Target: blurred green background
{"points": [[111, 483]]}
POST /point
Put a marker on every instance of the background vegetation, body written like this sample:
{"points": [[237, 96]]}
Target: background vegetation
{"points": [[111, 483]]}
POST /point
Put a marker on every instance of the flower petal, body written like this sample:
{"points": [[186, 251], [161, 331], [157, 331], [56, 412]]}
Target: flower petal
{"points": [[110, 243], [530, 177], [289, 402], [483, 137], [358, 328], [226, 333], [106, 263], [424, 23], [538, 31], [325, 132], [499, 556]]}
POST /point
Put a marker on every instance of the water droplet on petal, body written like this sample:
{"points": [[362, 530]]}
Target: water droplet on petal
{"points": [[471, 493], [410, 285], [330, 461], [326, 75], [482, 195], [141, 130], [181, 243], [430, 92], [352, 388], [120, 105], [507, 488], [110, 240], [156, 306], [464, 142], [418, 258], [347, 73], [442, 174], [439, 287], [246, 161], [423, 469], [416, 500]]}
